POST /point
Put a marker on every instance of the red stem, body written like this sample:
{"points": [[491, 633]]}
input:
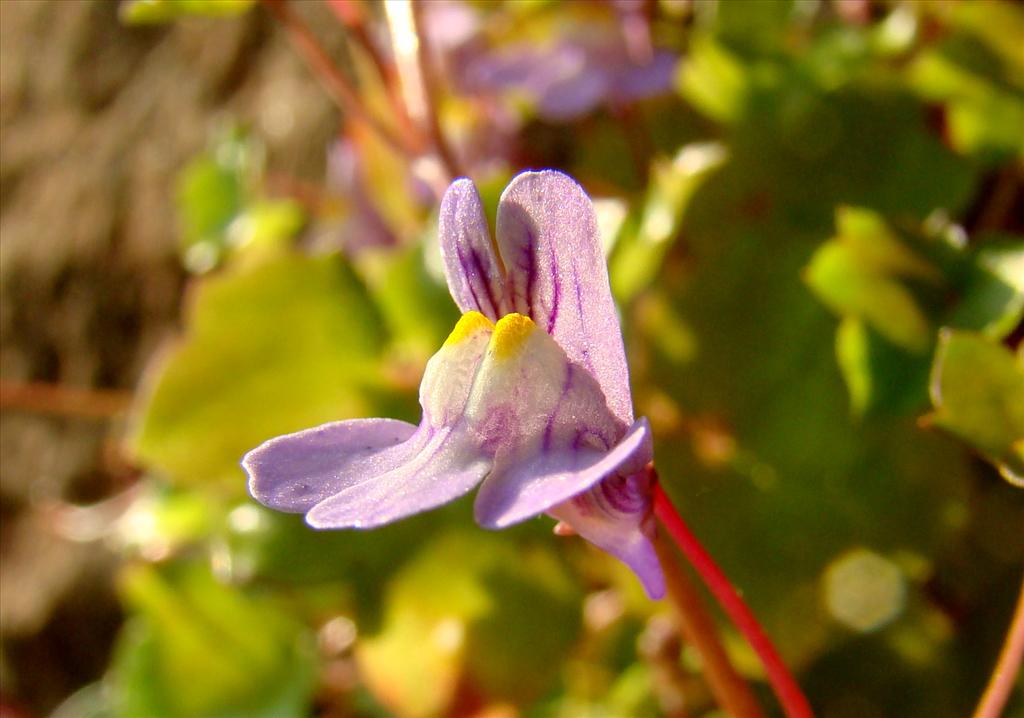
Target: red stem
{"points": [[1007, 668], [698, 628], [792, 699], [353, 16], [337, 85]]}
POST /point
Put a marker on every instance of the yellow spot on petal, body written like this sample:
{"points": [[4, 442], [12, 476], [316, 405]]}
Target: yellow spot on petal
{"points": [[469, 324], [510, 333]]}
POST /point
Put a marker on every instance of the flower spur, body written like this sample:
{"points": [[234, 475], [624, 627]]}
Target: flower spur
{"points": [[528, 397]]}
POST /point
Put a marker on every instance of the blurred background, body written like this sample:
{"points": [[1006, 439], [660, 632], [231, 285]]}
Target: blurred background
{"points": [[219, 225]]}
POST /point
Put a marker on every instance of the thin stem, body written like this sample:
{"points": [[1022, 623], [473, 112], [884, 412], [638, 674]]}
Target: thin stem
{"points": [[637, 139], [1007, 669], [428, 75], [336, 84], [353, 16], [659, 645], [636, 32], [730, 690], [62, 400], [996, 212], [792, 699], [418, 85]]}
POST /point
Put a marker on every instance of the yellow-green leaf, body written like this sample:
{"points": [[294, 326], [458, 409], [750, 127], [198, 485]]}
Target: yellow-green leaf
{"points": [[268, 348], [978, 392]]}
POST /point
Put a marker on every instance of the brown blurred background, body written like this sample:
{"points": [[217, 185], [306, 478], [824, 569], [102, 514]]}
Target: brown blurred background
{"points": [[96, 118]]}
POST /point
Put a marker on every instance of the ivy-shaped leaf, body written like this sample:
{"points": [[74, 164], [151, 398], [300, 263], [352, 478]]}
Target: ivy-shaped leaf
{"points": [[978, 392], [270, 347]]}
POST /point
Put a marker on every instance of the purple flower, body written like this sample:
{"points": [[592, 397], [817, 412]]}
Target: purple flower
{"points": [[568, 79], [528, 397]]}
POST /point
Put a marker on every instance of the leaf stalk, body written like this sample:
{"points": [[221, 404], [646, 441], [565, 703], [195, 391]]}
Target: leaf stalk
{"points": [[787, 690]]}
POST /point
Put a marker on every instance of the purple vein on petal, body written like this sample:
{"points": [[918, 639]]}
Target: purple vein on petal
{"points": [[472, 266], [476, 268], [536, 484], [556, 294], [546, 225], [584, 350], [549, 427]]}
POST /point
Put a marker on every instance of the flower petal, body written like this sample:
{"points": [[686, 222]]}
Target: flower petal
{"points": [[529, 488], [451, 372], [295, 472], [476, 279], [334, 464], [616, 517], [556, 274], [545, 421], [529, 399], [446, 467]]}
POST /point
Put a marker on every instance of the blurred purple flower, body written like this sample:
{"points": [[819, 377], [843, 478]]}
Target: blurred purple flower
{"points": [[364, 227], [528, 397], [600, 62], [571, 77]]}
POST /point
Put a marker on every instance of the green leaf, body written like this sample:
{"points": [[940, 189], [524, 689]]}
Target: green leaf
{"points": [[713, 80], [210, 195], [875, 279], [148, 12], [753, 26], [850, 286], [269, 348], [640, 253], [985, 108], [977, 389], [281, 548], [162, 520], [755, 440], [196, 648], [219, 208], [417, 309], [997, 23], [882, 378], [471, 608], [992, 291], [878, 247], [266, 224], [808, 143]]}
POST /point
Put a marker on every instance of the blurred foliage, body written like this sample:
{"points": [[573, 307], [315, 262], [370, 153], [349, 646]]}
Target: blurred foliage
{"points": [[894, 292], [812, 235], [220, 206], [461, 601], [146, 12], [978, 392], [295, 334], [191, 650]]}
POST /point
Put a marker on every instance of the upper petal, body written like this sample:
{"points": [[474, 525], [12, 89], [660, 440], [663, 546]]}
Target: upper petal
{"points": [[475, 277], [556, 274]]}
